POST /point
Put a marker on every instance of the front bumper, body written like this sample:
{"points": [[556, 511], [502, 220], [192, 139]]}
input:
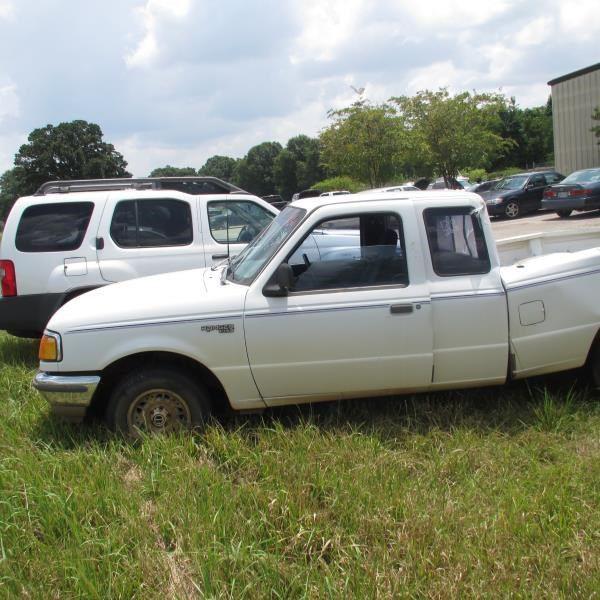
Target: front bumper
{"points": [[68, 395], [495, 209]]}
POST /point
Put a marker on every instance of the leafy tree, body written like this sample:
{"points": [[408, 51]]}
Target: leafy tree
{"points": [[363, 141], [339, 182], [453, 132], [170, 171], [222, 167], [297, 166], [254, 172], [12, 185], [285, 174], [73, 150], [596, 128]]}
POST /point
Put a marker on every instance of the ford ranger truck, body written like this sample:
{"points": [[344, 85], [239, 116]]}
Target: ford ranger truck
{"points": [[339, 297]]}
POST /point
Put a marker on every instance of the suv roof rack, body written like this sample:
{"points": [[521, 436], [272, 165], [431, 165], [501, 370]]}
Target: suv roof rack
{"points": [[189, 185]]}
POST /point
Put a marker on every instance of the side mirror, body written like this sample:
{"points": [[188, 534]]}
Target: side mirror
{"points": [[281, 282], [530, 185]]}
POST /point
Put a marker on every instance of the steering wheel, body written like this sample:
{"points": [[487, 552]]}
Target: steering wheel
{"points": [[246, 234]]}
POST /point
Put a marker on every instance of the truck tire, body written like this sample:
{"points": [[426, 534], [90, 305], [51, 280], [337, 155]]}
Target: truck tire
{"points": [[563, 214], [512, 209], [157, 401]]}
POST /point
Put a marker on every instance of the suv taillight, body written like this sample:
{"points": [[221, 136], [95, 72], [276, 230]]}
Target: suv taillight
{"points": [[8, 278]]}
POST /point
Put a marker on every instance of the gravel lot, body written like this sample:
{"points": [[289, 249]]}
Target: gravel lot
{"points": [[544, 221]]}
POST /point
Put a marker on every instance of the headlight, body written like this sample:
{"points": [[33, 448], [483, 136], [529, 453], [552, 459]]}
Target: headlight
{"points": [[494, 201], [50, 347]]}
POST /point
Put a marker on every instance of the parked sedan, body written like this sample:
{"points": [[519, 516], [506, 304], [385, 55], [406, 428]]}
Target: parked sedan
{"points": [[518, 194], [484, 186], [579, 191]]}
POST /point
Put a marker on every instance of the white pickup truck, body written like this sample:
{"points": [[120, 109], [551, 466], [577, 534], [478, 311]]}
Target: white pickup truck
{"points": [[338, 297]]}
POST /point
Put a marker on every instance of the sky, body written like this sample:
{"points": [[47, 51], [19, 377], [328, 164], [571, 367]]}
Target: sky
{"points": [[177, 81]]}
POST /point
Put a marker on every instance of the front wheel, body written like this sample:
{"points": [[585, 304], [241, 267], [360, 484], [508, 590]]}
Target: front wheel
{"points": [[512, 209], [563, 214], [157, 401]]}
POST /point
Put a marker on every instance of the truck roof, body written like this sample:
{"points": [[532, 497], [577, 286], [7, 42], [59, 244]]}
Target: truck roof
{"points": [[420, 198]]}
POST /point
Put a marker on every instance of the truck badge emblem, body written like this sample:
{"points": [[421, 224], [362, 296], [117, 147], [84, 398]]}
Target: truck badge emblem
{"points": [[226, 328]]}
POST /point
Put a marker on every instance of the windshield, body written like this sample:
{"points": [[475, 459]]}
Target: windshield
{"points": [[248, 263], [511, 183], [583, 176]]}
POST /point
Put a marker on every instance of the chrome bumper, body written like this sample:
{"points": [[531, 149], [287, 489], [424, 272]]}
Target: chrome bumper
{"points": [[66, 390]]}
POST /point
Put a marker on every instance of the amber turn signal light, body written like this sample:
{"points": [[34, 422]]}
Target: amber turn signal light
{"points": [[49, 348]]}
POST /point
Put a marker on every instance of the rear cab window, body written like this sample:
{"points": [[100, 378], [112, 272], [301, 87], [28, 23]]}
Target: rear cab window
{"points": [[456, 241], [53, 227]]}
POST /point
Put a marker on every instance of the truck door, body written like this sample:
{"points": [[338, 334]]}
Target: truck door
{"points": [[469, 310], [143, 234], [358, 319]]}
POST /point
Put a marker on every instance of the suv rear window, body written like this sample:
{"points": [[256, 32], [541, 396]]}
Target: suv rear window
{"points": [[54, 227], [152, 223]]}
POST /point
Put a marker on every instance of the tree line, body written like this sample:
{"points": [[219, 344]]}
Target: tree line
{"points": [[433, 133]]}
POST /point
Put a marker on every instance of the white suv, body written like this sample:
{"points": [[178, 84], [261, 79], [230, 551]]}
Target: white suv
{"points": [[74, 236]]}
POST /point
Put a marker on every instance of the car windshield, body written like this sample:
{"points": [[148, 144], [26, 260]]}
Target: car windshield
{"points": [[511, 183], [249, 262], [583, 176]]}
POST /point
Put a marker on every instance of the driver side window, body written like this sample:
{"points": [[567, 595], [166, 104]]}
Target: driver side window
{"points": [[236, 221], [361, 251]]}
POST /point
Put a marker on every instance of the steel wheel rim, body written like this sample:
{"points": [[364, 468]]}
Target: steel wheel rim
{"points": [[158, 411], [512, 210]]}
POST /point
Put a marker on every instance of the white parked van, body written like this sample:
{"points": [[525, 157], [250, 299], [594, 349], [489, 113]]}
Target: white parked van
{"points": [[74, 236]]}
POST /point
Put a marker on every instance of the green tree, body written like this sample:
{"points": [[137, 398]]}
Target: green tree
{"points": [[453, 132], [596, 128], [297, 166], [219, 166], [170, 171], [12, 185], [254, 172], [73, 150], [364, 141], [339, 182], [285, 174]]}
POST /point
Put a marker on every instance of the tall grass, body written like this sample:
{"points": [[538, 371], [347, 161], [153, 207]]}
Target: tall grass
{"points": [[480, 493]]}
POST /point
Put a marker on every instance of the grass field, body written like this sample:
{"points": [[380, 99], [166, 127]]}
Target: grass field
{"points": [[486, 493]]}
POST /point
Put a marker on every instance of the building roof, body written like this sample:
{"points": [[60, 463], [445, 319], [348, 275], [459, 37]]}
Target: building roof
{"points": [[574, 74]]}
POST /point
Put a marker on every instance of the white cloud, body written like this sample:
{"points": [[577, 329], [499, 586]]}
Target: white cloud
{"points": [[147, 49], [536, 32], [441, 74], [326, 25], [7, 9], [9, 102], [581, 18], [453, 14]]}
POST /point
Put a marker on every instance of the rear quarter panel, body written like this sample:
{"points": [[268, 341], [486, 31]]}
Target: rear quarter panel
{"points": [[554, 311]]}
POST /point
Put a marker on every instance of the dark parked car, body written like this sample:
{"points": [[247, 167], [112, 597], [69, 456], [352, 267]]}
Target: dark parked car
{"points": [[579, 191], [484, 186], [275, 200], [519, 194]]}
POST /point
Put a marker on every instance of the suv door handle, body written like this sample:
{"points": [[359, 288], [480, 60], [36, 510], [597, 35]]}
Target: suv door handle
{"points": [[401, 309], [219, 256], [99, 243]]}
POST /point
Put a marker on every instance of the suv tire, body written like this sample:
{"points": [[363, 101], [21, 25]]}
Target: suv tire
{"points": [[563, 214]]}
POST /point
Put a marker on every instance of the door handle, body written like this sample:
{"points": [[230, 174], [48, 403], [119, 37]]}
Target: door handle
{"points": [[219, 256], [99, 243], [401, 309]]}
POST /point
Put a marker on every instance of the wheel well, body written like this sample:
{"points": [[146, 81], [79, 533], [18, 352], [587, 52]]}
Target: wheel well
{"points": [[204, 376], [593, 348], [74, 293]]}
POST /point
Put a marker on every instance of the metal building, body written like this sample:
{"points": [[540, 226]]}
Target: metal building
{"points": [[574, 98]]}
